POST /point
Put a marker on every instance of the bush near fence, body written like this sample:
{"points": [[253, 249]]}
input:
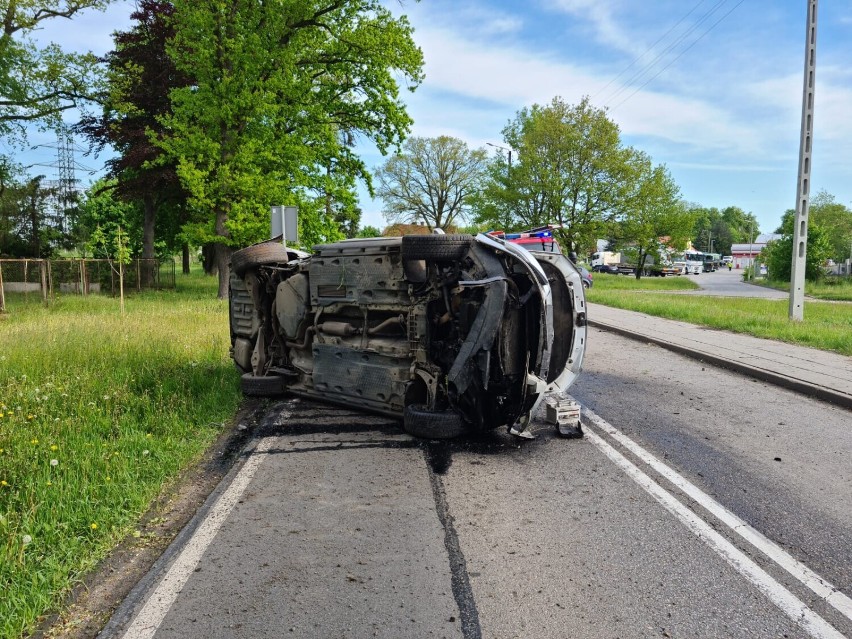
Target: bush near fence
{"points": [[46, 278]]}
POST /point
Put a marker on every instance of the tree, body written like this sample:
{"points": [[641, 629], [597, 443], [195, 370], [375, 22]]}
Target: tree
{"points": [[653, 215], [275, 84], [140, 78], [836, 220], [572, 170], [369, 231], [28, 226], [102, 214], [431, 181], [719, 230], [778, 254], [38, 84]]}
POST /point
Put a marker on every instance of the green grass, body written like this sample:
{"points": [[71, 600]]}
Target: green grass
{"points": [[827, 326], [609, 282], [831, 288], [99, 413]]}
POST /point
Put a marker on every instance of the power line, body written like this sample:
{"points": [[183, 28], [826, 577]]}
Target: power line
{"points": [[636, 77], [696, 41], [649, 49]]}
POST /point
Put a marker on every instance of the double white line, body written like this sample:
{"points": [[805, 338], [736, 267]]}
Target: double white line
{"points": [[791, 605]]}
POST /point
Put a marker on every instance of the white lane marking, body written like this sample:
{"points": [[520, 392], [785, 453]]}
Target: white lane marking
{"points": [[148, 621], [786, 601], [822, 588]]}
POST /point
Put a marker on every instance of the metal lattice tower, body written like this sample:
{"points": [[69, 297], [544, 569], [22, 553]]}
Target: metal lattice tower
{"points": [[67, 186]]}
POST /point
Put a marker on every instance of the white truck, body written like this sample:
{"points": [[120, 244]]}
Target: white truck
{"points": [[692, 261], [602, 258]]}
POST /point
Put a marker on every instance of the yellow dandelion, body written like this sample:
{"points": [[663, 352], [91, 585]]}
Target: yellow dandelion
{"points": [[30, 416], [54, 447], [3, 482], [109, 478], [34, 441], [93, 526], [50, 483]]}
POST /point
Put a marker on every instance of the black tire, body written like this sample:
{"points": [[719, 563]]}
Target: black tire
{"points": [[442, 248], [427, 424], [257, 255], [262, 386]]}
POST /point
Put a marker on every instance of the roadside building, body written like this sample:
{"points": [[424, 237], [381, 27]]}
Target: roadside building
{"points": [[745, 254]]}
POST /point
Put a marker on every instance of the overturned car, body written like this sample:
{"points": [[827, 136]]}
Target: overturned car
{"points": [[451, 333]]}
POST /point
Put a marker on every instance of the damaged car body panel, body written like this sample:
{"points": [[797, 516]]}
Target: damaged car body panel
{"points": [[451, 333]]}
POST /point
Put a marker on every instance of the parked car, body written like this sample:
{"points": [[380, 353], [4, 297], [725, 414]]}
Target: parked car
{"points": [[451, 333], [587, 277], [605, 268]]}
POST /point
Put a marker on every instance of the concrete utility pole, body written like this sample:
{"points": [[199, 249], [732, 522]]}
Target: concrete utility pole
{"points": [[800, 229]]}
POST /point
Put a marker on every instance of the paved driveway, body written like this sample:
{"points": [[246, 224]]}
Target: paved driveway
{"points": [[725, 283]]}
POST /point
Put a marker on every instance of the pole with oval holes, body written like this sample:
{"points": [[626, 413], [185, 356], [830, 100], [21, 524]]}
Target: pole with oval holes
{"points": [[800, 227]]}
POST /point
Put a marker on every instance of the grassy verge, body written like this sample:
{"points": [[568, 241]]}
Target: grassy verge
{"points": [[609, 282], [831, 288], [826, 326], [99, 412]]}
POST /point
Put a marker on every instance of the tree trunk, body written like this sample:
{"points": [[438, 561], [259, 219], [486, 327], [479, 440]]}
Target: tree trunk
{"points": [[185, 258], [640, 264], [208, 259], [223, 259], [149, 217], [223, 253]]}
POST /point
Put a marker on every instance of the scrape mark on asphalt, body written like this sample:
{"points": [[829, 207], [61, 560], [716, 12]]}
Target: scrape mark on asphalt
{"points": [[436, 462]]}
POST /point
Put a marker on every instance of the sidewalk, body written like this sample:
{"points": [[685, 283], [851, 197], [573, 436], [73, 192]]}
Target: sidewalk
{"points": [[819, 374]]}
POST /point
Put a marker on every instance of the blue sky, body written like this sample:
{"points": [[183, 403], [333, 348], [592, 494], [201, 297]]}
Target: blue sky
{"points": [[711, 89]]}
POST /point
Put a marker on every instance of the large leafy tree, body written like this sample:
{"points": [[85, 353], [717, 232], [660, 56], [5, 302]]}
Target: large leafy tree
{"points": [[38, 83], [27, 229], [431, 181], [836, 219], [719, 230], [278, 87], [140, 78], [103, 215], [778, 254], [571, 170], [653, 215]]}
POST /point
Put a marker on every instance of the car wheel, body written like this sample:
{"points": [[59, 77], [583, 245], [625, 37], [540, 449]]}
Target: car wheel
{"points": [[257, 255], [262, 385], [585, 284], [427, 424], [435, 247]]}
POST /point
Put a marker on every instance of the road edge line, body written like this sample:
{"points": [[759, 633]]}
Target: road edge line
{"points": [[793, 607], [820, 586]]}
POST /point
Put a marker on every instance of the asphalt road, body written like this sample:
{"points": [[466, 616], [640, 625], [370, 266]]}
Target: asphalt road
{"points": [[335, 524], [725, 283]]}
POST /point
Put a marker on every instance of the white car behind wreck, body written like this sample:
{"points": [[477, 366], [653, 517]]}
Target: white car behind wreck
{"points": [[451, 333]]}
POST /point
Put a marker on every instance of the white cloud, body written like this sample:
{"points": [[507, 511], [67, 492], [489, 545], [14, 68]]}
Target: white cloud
{"points": [[600, 15], [513, 77]]}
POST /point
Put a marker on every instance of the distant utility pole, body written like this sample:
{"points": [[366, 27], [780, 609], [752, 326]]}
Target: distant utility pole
{"points": [[800, 229]]}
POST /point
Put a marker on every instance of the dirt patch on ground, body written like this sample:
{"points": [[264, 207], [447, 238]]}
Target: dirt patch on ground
{"points": [[93, 601]]}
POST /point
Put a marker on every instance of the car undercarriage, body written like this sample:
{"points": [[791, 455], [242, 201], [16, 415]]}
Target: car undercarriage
{"points": [[451, 333]]}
